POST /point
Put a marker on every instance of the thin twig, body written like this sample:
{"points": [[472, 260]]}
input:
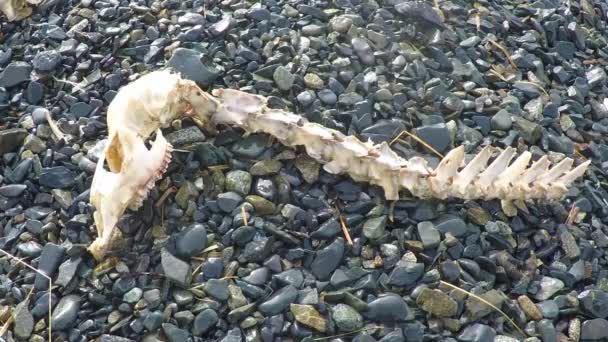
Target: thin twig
{"points": [[344, 228], [504, 51], [572, 215], [244, 215], [348, 333], [164, 196], [54, 128], [487, 303], [422, 142], [45, 276]]}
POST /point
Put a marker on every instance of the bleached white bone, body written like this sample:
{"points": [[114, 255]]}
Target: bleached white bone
{"points": [[154, 100]]}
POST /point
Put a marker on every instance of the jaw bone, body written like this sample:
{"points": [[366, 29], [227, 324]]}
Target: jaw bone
{"points": [[154, 100]]}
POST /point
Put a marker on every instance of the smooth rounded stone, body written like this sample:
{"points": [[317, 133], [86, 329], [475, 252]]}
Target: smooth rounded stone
{"points": [[290, 277], [46, 61], [12, 190], [228, 201], [437, 135], [452, 225], [250, 147], [594, 303], [261, 205], [327, 230], [437, 303], [188, 63], [243, 234], [185, 136], [283, 78], [50, 259], [174, 334], [258, 13], [477, 332], [153, 320], [221, 27], [306, 98], [547, 330], [67, 271], [313, 81], [309, 316], [328, 259], [191, 241], [363, 50], [341, 23], [265, 167], [81, 109], [65, 313], [529, 308], [374, 228], [175, 269], [346, 318], [14, 74], [190, 18], [204, 321], [476, 309], [31, 249], [387, 308], [429, 235], [308, 167], [58, 177], [470, 42], [236, 299], [183, 297], [549, 308], [594, 329], [548, 287], [502, 120], [217, 289], [531, 132], [133, 295], [327, 96], [239, 181], [11, 139], [421, 13], [279, 301], [405, 273], [24, 321], [34, 92], [259, 276], [233, 335]]}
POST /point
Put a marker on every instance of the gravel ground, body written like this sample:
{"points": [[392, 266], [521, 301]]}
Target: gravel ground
{"points": [[247, 244]]}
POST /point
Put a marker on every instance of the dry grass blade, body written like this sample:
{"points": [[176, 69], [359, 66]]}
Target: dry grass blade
{"points": [[536, 85], [420, 141], [164, 196], [218, 167], [487, 303], [344, 228], [54, 128], [21, 262], [497, 74], [244, 214], [347, 334], [572, 215], [504, 51]]}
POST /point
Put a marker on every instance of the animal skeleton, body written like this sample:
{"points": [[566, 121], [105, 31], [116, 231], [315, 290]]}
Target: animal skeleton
{"points": [[154, 100], [17, 9]]}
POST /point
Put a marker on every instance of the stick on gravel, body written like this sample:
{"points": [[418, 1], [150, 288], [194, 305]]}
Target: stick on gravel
{"points": [[154, 100]]}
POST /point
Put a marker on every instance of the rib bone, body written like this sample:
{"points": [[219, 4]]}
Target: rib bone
{"points": [[154, 100]]}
